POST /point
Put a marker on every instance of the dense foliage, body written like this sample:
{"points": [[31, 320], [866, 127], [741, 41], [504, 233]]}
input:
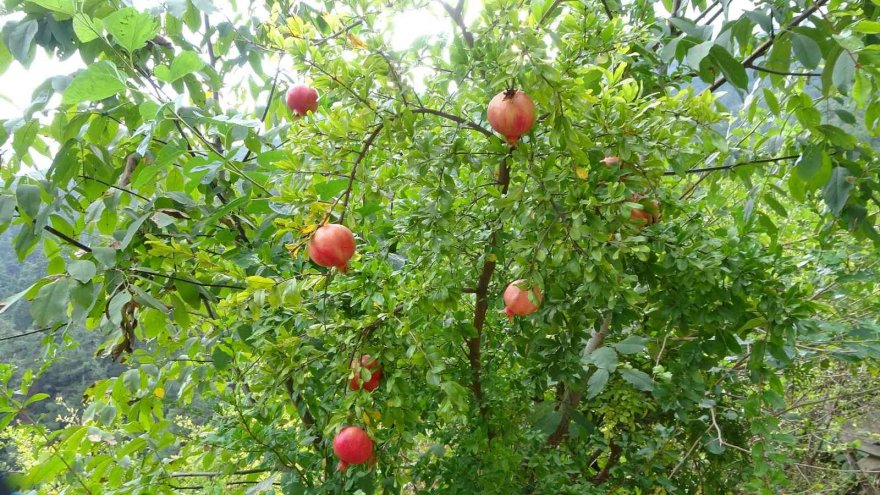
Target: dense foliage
{"points": [[691, 289]]}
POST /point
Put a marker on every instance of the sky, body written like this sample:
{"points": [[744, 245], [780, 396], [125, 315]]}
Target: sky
{"points": [[19, 82]]}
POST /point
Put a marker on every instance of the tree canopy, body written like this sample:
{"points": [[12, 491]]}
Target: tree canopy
{"points": [[696, 202]]}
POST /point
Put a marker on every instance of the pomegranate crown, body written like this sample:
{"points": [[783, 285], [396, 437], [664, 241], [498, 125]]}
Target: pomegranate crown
{"points": [[510, 93]]}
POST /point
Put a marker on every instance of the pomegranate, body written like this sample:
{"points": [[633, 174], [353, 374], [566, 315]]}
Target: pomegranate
{"points": [[610, 160], [353, 446], [648, 215], [302, 99], [512, 114], [332, 245], [375, 376], [516, 298]]}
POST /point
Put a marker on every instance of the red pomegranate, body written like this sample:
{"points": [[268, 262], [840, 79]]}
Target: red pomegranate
{"points": [[512, 114], [353, 446], [302, 99], [375, 376], [516, 298], [648, 215], [332, 245]]}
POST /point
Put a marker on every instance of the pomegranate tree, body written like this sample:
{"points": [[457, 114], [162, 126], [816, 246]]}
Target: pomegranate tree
{"points": [[512, 114], [352, 445], [332, 245], [517, 301], [375, 375], [302, 99]]}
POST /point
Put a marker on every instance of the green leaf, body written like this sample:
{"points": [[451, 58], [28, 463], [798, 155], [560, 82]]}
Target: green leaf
{"points": [[813, 167], [183, 64], [99, 81], [28, 196], [19, 39], [86, 28], [65, 165], [114, 307], [597, 382], [867, 27], [806, 50], [7, 208], [221, 358], [82, 270], [50, 305], [5, 60], [132, 380], [329, 189], [605, 358], [130, 28], [36, 398], [772, 101], [732, 69], [836, 192], [62, 6], [105, 256], [638, 379], [631, 345], [132, 230], [697, 53], [844, 72]]}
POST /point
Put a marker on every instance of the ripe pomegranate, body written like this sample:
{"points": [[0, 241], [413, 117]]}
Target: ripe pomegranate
{"points": [[353, 446], [516, 298], [512, 114], [375, 376], [648, 215], [332, 245], [302, 99]]}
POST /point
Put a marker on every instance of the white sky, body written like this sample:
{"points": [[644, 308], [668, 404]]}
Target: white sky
{"points": [[19, 82]]}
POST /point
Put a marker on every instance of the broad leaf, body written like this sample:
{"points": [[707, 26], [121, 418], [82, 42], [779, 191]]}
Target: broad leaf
{"points": [[131, 29], [638, 379], [100, 80]]}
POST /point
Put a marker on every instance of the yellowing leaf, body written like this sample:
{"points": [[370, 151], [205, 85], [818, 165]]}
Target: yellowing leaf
{"points": [[492, 257], [159, 392], [258, 282], [308, 229], [581, 173], [356, 42]]}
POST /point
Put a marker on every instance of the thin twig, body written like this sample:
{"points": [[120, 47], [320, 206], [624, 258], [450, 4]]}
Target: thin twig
{"points": [[366, 147], [764, 47]]}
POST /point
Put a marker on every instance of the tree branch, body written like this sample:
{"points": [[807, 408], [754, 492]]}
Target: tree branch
{"points": [[574, 397], [765, 46], [34, 332], [185, 280], [118, 188], [457, 119], [782, 73], [734, 165], [612, 461], [456, 15], [482, 306], [366, 147], [214, 474], [66, 238]]}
